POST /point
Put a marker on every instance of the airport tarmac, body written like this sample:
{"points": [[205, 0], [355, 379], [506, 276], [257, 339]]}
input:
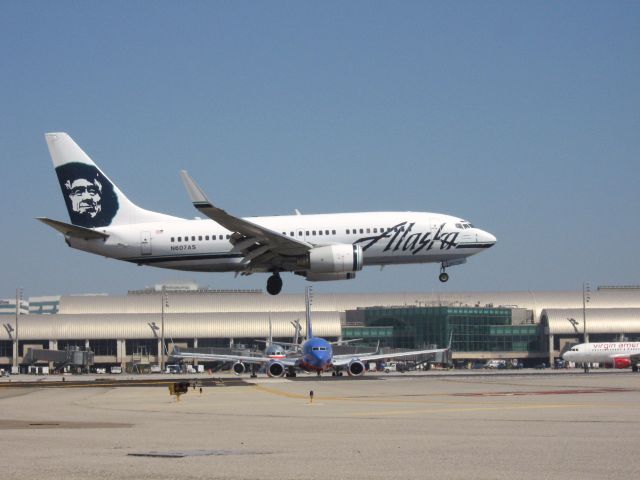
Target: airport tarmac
{"points": [[404, 426]]}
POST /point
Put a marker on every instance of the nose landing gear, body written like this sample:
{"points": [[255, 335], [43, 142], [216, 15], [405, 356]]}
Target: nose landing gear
{"points": [[274, 284], [444, 276]]}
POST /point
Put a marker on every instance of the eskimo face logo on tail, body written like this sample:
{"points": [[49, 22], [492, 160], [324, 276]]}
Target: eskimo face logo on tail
{"points": [[89, 196]]}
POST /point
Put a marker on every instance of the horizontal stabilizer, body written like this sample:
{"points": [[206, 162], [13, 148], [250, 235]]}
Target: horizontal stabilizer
{"points": [[73, 230]]}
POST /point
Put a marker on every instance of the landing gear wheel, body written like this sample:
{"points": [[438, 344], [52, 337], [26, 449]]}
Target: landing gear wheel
{"points": [[274, 284], [444, 276]]}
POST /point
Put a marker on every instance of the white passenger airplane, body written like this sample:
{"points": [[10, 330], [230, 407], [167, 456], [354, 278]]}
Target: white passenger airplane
{"points": [[618, 354], [318, 247]]}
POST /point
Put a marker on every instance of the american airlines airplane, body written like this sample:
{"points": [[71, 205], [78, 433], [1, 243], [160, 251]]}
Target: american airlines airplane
{"points": [[618, 354], [319, 247]]}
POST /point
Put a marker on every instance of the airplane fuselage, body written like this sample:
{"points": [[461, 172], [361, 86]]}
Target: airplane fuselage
{"points": [[618, 354], [203, 245], [317, 355]]}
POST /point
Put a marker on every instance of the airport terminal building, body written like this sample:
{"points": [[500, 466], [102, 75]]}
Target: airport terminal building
{"points": [[127, 330]]}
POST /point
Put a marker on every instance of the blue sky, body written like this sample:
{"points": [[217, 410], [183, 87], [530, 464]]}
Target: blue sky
{"points": [[523, 117]]}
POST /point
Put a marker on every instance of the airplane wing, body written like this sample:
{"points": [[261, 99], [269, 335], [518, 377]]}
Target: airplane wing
{"points": [[73, 230], [342, 360], [258, 243], [230, 358]]}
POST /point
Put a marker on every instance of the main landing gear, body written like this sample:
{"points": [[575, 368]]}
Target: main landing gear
{"points": [[274, 284], [444, 276]]}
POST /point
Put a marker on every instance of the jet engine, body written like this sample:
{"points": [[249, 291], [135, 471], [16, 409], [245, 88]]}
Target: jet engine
{"points": [[621, 363], [355, 368], [239, 368], [341, 258], [275, 369]]}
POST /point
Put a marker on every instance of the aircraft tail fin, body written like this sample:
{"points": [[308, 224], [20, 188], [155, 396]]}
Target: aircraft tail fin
{"points": [[450, 340], [92, 199]]}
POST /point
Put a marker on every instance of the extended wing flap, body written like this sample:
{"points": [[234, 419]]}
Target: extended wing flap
{"points": [[73, 230], [278, 243]]}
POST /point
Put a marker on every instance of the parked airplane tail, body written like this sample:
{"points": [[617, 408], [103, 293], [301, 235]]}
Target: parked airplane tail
{"points": [[92, 199]]}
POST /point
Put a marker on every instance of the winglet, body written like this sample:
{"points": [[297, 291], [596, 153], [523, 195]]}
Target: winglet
{"points": [[196, 194]]}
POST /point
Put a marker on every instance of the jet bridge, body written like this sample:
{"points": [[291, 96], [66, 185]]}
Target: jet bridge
{"points": [[71, 356]]}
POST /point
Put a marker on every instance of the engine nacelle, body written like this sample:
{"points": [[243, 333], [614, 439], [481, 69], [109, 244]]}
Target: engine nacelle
{"points": [[275, 369], [325, 277], [355, 368], [621, 362], [239, 368], [341, 258]]}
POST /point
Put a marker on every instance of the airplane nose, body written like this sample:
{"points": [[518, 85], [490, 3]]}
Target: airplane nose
{"points": [[487, 238]]}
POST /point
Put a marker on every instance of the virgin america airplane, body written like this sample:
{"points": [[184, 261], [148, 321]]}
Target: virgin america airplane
{"points": [[331, 246], [618, 354]]}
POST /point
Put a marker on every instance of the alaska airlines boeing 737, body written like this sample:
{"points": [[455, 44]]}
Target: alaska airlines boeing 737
{"points": [[318, 247]]}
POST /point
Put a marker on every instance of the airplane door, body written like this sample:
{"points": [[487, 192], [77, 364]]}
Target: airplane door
{"points": [[434, 226], [145, 243]]}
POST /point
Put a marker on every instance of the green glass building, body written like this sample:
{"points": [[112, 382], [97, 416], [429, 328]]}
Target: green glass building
{"points": [[475, 329]]}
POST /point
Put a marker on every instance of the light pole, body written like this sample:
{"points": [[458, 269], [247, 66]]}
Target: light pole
{"points": [[16, 360], [586, 296], [165, 303]]}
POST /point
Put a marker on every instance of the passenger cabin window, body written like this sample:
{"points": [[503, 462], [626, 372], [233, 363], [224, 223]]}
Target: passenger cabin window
{"points": [[172, 239], [347, 231], [199, 238], [179, 239], [333, 231], [292, 234]]}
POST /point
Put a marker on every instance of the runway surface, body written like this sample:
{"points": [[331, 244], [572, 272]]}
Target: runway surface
{"points": [[375, 427]]}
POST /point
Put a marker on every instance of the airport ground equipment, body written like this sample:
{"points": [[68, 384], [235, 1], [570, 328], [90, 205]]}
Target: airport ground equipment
{"points": [[178, 388]]}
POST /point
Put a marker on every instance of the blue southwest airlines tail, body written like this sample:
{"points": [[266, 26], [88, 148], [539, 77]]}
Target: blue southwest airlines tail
{"points": [[92, 199]]}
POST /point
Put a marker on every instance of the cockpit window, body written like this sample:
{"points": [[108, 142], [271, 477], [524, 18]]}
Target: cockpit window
{"points": [[458, 225]]}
